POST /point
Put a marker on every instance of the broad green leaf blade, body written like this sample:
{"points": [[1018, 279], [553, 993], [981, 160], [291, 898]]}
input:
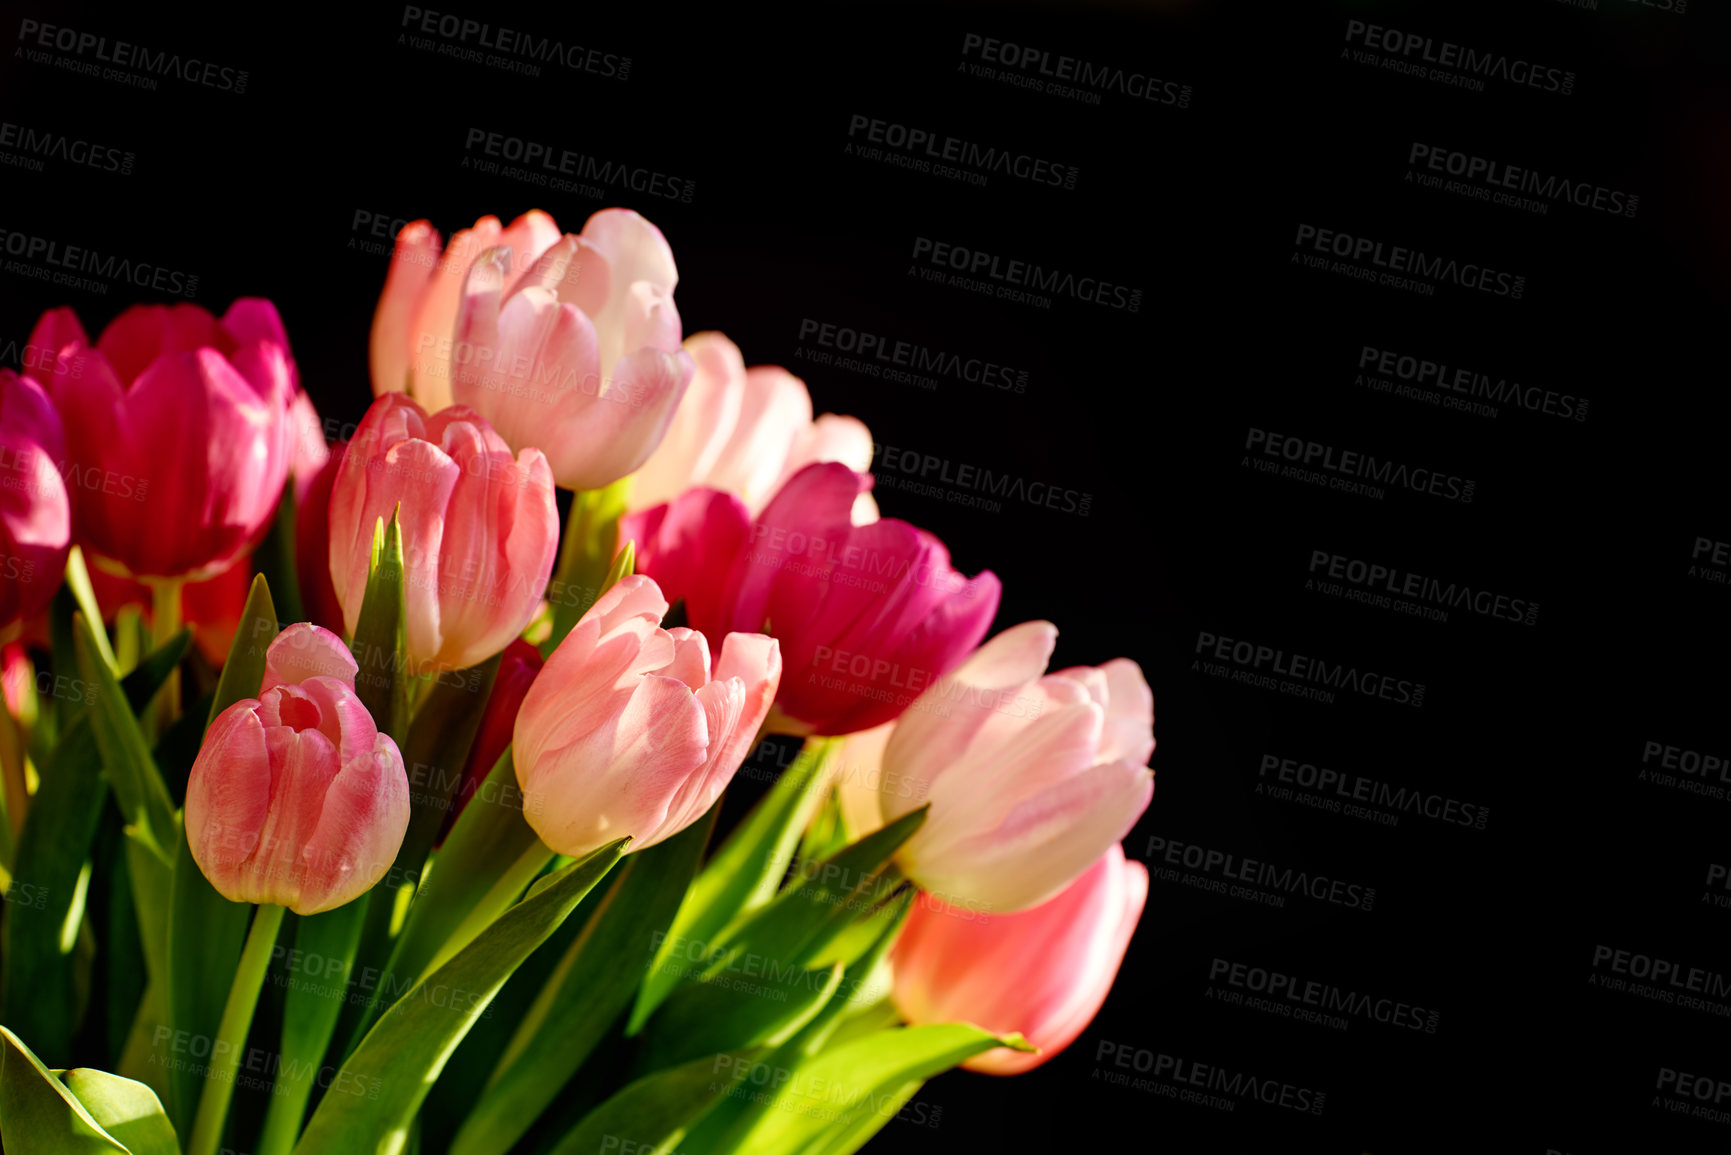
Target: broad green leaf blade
{"points": [[402, 1055], [132, 773], [760, 1003], [593, 983], [841, 1086], [127, 1110], [39, 1115], [742, 875], [820, 901], [316, 978], [84, 594], [379, 642], [652, 1115], [846, 1136], [243, 671]]}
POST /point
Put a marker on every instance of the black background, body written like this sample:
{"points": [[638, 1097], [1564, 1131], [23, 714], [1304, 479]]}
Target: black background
{"points": [[1146, 413]]}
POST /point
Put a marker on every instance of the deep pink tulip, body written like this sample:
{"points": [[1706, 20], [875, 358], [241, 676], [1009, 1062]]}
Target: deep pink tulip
{"points": [[689, 545], [1044, 972], [745, 431], [295, 797], [627, 732], [578, 355], [177, 432], [35, 511], [1029, 777], [479, 528], [518, 666], [867, 615]]}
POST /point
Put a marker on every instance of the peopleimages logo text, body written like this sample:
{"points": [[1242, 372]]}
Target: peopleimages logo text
{"points": [[1351, 463], [122, 54], [978, 263], [1497, 175], [1255, 659], [1418, 263], [923, 142], [1420, 49], [1440, 375]]}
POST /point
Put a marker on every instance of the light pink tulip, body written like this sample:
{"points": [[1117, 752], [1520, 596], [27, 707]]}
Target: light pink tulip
{"points": [[578, 356], [479, 529], [1044, 972], [1029, 777], [177, 441], [627, 732], [745, 431], [295, 797], [35, 512]]}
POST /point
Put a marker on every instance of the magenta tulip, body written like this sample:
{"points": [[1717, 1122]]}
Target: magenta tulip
{"points": [[689, 545], [1044, 972], [479, 528], [578, 355], [1029, 777], [35, 511], [745, 431], [867, 615], [295, 797], [177, 441], [627, 731]]}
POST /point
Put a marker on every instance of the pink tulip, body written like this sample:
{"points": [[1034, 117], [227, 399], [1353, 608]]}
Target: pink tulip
{"points": [[479, 529], [35, 511], [578, 356], [745, 431], [1044, 972], [627, 732], [177, 441], [295, 797], [1029, 777], [689, 545], [867, 615], [518, 667]]}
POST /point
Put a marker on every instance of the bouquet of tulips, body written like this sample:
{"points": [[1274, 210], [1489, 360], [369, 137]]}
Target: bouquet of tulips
{"points": [[349, 807]]}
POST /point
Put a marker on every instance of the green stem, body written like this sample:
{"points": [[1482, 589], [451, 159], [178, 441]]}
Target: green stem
{"points": [[164, 624], [12, 763], [231, 1035]]}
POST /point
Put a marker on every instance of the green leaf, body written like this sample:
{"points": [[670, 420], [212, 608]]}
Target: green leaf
{"points": [[39, 1115], [84, 594], [846, 1136], [820, 901], [138, 787], [127, 1110], [317, 978], [379, 644], [742, 875], [401, 1057], [591, 986], [35, 982], [243, 671], [843, 1086], [652, 1115]]}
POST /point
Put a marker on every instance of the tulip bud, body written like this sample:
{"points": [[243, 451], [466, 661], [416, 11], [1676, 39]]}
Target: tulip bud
{"points": [[1029, 777], [627, 732], [295, 797], [479, 529], [1044, 972]]}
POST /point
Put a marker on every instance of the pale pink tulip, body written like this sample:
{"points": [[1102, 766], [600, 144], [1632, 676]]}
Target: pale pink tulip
{"points": [[627, 732], [479, 529], [1029, 777], [295, 797], [579, 355], [745, 431], [1044, 972]]}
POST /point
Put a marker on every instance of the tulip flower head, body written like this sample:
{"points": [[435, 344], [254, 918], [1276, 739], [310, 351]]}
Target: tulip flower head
{"points": [[1029, 777], [744, 431], [628, 731], [35, 512], [177, 432], [1044, 971], [295, 797], [479, 528]]}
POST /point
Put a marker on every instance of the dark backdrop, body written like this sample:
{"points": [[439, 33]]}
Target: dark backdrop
{"points": [[1563, 752]]}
